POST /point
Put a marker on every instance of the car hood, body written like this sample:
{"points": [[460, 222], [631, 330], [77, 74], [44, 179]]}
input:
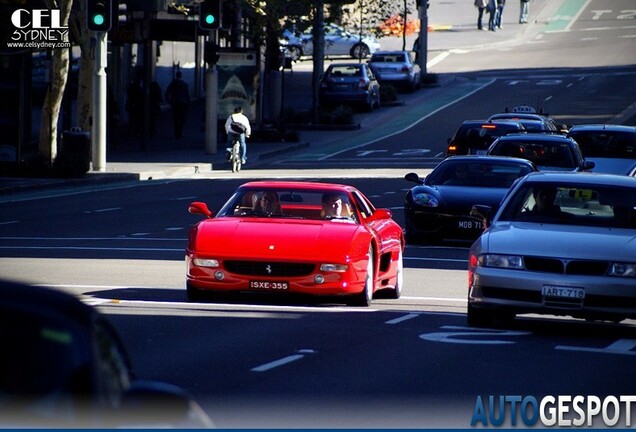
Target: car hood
{"points": [[613, 165], [279, 238], [525, 238], [461, 198]]}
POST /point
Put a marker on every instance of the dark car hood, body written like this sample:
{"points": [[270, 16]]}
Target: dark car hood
{"points": [[462, 198]]}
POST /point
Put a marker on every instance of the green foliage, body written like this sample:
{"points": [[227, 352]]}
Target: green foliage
{"points": [[388, 93], [340, 115]]}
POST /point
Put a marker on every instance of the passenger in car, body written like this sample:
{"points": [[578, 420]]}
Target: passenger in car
{"points": [[334, 206], [269, 204]]}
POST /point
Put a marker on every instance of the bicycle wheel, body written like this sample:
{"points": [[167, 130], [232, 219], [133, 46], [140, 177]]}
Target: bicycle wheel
{"points": [[236, 157]]}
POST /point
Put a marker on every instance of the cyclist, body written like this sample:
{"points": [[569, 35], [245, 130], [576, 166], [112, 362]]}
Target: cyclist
{"points": [[238, 127]]}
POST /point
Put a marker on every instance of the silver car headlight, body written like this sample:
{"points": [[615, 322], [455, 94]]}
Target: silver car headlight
{"points": [[514, 262], [205, 262], [425, 200], [340, 268], [623, 270]]}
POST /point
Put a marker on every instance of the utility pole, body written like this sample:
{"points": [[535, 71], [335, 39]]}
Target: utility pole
{"points": [[98, 128], [423, 44]]}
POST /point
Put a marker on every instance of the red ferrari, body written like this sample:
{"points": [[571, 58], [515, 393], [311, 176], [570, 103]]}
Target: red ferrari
{"points": [[295, 237]]}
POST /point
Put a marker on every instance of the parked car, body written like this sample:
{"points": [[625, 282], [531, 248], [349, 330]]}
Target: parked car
{"points": [[350, 83], [560, 244], [553, 152], [611, 147], [439, 206], [475, 136], [273, 237], [338, 42], [397, 68], [64, 366]]}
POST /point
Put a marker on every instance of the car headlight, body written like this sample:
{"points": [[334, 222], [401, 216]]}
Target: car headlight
{"points": [[622, 270], [501, 261], [205, 262], [425, 199], [334, 268]]}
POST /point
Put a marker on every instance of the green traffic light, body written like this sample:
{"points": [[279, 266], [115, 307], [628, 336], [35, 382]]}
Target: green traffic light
{"points": [[209, 19], [98, 19]]}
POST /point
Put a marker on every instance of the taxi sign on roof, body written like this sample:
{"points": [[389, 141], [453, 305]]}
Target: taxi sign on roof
{"points": [[524, 109]]}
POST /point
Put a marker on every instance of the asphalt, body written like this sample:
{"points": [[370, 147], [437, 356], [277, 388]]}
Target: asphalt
{"points": [[166, 157]]}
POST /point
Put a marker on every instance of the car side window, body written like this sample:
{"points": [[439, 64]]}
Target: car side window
{"points": [[365, 207]]}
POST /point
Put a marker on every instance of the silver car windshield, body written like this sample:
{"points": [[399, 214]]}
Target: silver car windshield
{"points": [[587, 205]]}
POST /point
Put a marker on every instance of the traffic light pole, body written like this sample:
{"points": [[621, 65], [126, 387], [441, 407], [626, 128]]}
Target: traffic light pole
{"points": [[211, 111], [98, 127]]}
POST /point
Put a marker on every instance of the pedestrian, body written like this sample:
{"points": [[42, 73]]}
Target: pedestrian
{"points": [[492, 14], [155, 106], [135, 106], [523, 13], [178, 96], [500, 8], [481, 6], [238, 127]]}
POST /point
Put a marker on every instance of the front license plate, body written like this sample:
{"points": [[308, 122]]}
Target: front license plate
{"points": [[265, 285], [469, 225], [563, 292]]}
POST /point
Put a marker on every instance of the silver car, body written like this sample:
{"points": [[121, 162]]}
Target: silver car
{"points": [[559, 244], [397, 68]]}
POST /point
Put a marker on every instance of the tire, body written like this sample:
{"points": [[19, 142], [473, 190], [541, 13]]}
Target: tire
{"points": [[359, 51], [236, 157], [194, 295], [365, 297], [476, 317], [396, 292]]}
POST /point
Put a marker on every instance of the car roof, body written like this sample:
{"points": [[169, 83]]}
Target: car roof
{"points": [[390, 52], [602, 127], [486, 159], [18, 296], [578, 178], [529, 136], [282, 184]]}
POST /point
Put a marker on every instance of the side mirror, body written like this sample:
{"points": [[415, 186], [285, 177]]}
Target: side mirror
{"points": [[588, 166], [151, 404], [201, 208], [380, 214], [413, 177], [482, 212]]}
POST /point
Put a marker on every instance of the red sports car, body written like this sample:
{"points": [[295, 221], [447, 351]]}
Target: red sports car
{"points": [[296, 237]]}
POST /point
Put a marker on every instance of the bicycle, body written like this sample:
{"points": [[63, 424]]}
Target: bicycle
{"points": [[235, 155]]}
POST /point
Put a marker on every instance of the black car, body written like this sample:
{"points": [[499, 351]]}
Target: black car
{"points": [[525, 112], [63, 365], [611, 147], [439, 206], [350, 84], [550, 152], [475, 136]]}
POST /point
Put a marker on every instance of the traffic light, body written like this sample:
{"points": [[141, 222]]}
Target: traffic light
{"points": [[99, 15], [210, 14]]}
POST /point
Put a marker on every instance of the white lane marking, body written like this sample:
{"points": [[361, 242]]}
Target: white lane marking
{"points": [[175, 229], [103, 210], [402, 318], [285, 360], [446, 299], [436, 259], [9, 222], [621, 346]]}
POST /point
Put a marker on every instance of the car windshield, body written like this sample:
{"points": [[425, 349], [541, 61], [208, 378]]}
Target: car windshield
{"points": [[588, 205], [477, 174], [606, 144], [290, 204], [552, 154], [345, 71], [388, 58]]}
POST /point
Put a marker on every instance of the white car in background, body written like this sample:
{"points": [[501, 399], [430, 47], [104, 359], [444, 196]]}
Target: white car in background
{"points": [[338, 42]]}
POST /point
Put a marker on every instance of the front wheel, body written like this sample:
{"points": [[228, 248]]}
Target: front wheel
{"points": [[360, 51], [365, 297]]}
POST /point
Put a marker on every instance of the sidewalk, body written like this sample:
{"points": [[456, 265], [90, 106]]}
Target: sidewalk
{"points": [[165, 157]]}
